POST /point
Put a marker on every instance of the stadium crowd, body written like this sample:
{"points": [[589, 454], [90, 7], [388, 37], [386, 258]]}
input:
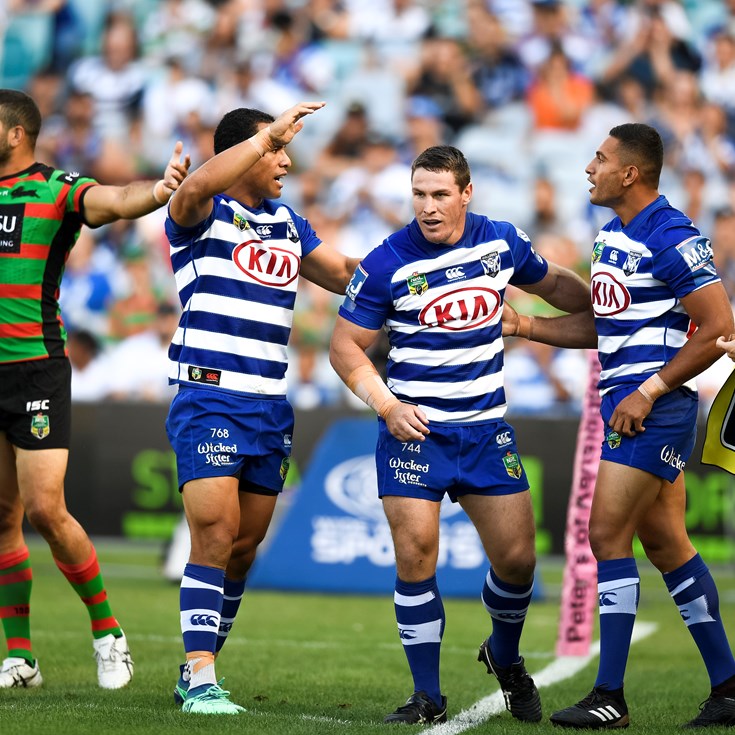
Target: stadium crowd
{"points": [[525, 88]]}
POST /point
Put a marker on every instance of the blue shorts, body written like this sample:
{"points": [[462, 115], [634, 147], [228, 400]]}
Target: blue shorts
{"points": [[667, 443], [457, 460], [218, 434]]}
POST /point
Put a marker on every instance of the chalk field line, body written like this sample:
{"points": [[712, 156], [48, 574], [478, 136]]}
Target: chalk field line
{"points": [[558, 670]]}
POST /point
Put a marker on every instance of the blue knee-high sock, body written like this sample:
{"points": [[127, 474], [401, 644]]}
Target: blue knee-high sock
{"points": [[618, 586], [420, 618], [694, 591], [233, 592], [201, 606], [507, 605]]}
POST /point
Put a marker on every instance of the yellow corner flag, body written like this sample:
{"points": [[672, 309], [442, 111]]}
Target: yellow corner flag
{"points": [[719, 441]]}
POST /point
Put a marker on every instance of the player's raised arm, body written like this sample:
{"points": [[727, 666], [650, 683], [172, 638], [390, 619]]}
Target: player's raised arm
{"points": [[193, 202], [103, 204]]}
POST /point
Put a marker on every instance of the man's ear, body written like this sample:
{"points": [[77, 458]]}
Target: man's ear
{"points": [[631, 175]]}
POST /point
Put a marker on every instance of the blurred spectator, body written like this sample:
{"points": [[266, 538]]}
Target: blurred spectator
{"points": [[498, 74], [115, 79], [402, 21], [371, 198], [287, 56], [563, 237], [424, 128], [723, 246], [718, 75], [347, 145], [90, 376], [175, 106], [178, 28], [74, 144], [654, 47], [552, 29], [67, 29], [239, 87], [139, 364], [558, 96], [443, 75], [631, 95], [88, 286], [136, 311]]}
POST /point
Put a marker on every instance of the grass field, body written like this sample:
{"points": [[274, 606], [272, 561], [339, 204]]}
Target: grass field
{"points": [[311, 664]]}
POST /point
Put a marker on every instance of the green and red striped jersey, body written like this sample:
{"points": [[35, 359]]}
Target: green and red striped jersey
{"points": [[40, 219]]}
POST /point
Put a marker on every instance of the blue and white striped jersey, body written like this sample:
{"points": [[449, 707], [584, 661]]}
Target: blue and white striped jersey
{"points": [[441, 306], [237, 274], [639, 273]]}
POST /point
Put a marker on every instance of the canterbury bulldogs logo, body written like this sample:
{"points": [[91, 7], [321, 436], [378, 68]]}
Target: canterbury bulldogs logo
{"points": [[491, 263], [453, 274], [293, 234], [631, 263]]}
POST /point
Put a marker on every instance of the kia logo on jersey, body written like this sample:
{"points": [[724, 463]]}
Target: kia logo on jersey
{"points": [[465, 308], [609, 296], [267, 265]]}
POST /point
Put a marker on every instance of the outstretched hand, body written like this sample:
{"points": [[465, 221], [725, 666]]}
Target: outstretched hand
{"points": [[288, 123], [728, 345], [176, 169]]}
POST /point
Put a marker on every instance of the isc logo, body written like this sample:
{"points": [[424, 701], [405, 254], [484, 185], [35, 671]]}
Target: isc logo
{"points": [[461, 309], [37, 405], [269, 266]]}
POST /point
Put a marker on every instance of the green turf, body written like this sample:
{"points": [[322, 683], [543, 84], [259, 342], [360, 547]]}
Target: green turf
{"points": [[312, 664]]}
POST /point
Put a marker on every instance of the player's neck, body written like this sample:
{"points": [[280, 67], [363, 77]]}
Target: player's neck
{"points": [[16, 163], [632, 206]]}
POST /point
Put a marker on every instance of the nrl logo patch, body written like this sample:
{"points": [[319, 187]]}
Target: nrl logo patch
{"points": [[240, 222], [491, 263], [597, 251], [613, 439], [513, 465], [417, 284], [40, 426]]}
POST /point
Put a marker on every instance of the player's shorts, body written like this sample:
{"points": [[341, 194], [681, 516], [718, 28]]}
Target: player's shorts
{"points": [[667, 443], [35, 403], [218, 434], [480, 459]]}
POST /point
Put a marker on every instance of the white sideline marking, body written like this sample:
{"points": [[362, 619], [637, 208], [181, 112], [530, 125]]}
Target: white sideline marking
{"points": [[561, 668]]}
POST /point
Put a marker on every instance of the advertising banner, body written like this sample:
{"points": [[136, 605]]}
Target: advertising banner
{"points": [[335, 536]]}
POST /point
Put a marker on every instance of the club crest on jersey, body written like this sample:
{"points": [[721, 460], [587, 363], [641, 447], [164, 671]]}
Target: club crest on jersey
{"points": [[417, 284], [491, 263], [597, 251], [613, 439], [631, 263], [513, 465], [240, 222], [292, 232], [40, 426]]}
